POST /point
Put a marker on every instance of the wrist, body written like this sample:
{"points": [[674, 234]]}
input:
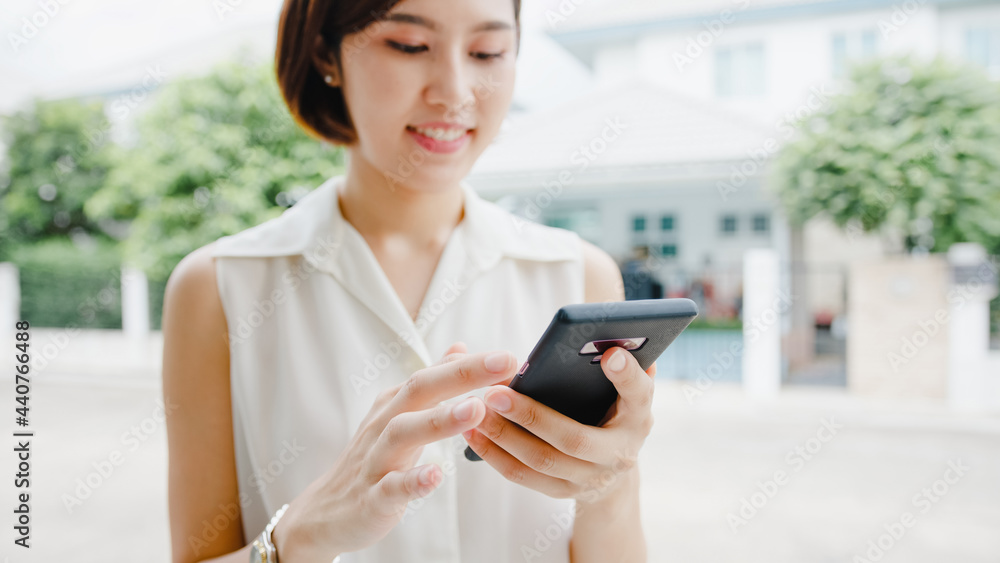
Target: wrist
{"points": [[294, 544], [620, 494]]}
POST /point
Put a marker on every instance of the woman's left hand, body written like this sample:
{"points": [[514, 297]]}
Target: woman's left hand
{"points": [[538, 447]]}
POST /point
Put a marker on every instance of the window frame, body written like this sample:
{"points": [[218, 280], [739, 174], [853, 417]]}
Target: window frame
{"points": [[723, 223]]}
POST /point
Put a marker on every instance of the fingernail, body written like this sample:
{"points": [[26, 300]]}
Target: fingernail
{"points": [[464, 410], [467, 434], [497, 361], [498, 401], [617, 361], [425, 475]]}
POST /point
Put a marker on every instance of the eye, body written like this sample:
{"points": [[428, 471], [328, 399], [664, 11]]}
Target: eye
{"points": [[488, 56], [411, 49]]}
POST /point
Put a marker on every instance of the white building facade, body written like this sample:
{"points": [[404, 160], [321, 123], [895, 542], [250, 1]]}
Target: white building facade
{"points": [[725, 82]]}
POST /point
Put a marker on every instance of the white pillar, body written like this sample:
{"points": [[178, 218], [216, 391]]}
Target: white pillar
{"points": [[135, 304], [973, 286], [10, 297], [763, 304]]}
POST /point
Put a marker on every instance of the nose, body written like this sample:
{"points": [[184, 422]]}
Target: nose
{"points": [[451, 84]]}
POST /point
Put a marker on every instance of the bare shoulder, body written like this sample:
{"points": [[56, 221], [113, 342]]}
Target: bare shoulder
{"points": [[602, 277], [202, 479], [194, 276], [193, 317]]}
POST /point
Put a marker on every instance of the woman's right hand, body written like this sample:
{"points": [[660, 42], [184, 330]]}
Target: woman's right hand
{"points": [[364, 495]]}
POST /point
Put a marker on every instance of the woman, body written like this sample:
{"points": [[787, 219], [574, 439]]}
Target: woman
{"points": [[299, 353]]}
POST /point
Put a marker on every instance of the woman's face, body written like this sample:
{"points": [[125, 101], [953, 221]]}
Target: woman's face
{"points": [[428, 89]]}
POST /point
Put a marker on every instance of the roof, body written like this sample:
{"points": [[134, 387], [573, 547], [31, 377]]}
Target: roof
{"points": [[609, 13], [657, 128], [597, 22]]}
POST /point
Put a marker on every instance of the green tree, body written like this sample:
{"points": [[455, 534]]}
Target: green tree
{"points": [[57, 157], [909, 146], [213, 155]]}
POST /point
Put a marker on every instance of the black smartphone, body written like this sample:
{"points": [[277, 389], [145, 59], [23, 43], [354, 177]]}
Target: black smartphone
{"points": [[563, 371]]}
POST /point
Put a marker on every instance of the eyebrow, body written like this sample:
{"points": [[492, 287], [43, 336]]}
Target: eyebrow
{"points": [[422, 21]]}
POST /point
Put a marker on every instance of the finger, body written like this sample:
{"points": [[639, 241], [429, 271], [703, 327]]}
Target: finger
{"points": [[454, 352], [514, 471], [635, 388], [431, 385], [396, 488], [570, 437], [531, 450], [413, 429], [652, 370]]}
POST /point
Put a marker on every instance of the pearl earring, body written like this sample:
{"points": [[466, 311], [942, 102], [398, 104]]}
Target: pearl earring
{"points": [[328, 79]]}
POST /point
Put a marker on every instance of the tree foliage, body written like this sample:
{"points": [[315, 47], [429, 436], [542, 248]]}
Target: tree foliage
{"points": [[57, 157], [912, 147], [213, 156]]}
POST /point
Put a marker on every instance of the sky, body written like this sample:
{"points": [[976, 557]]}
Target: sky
{"points": [[64, 48]]}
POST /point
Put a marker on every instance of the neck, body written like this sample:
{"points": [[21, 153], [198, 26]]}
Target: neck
{"points": [[381, 210]]}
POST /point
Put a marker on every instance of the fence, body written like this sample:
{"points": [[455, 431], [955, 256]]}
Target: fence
{"points": [[703, 352]]}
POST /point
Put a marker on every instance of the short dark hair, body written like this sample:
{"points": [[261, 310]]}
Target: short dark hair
{"points": [[320, 109]]}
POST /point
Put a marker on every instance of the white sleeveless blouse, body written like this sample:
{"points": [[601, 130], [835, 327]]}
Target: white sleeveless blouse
{"points": [[316, 330]]}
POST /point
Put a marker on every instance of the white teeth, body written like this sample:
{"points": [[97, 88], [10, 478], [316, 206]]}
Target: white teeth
{"points": [[441, 134]]}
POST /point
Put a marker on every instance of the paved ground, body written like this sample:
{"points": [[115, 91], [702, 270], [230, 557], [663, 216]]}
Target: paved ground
{"points": [[838, 495], [702, 459]]}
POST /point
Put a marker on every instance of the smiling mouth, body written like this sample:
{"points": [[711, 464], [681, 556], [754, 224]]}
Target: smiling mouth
{"points": [[444, 135]]}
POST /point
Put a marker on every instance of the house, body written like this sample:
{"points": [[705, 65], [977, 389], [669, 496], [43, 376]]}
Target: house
{"points": [[710, 89], [641, 171]]}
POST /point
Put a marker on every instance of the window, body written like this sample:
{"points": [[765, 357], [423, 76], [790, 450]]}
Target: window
{"points": [[839, 54], [559, 222], [761, 223], [851, 46], [667, 223], [869, 43], [728, 224], [639, 224], [739, 71], [982, 46], [584, 221], [668, 250]]}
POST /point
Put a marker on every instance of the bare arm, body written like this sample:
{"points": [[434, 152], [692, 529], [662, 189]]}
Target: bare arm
{"points": [[204, 505], [609, 530]]}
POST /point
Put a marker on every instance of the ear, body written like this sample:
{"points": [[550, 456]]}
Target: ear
{"points": [[324, 61]]}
